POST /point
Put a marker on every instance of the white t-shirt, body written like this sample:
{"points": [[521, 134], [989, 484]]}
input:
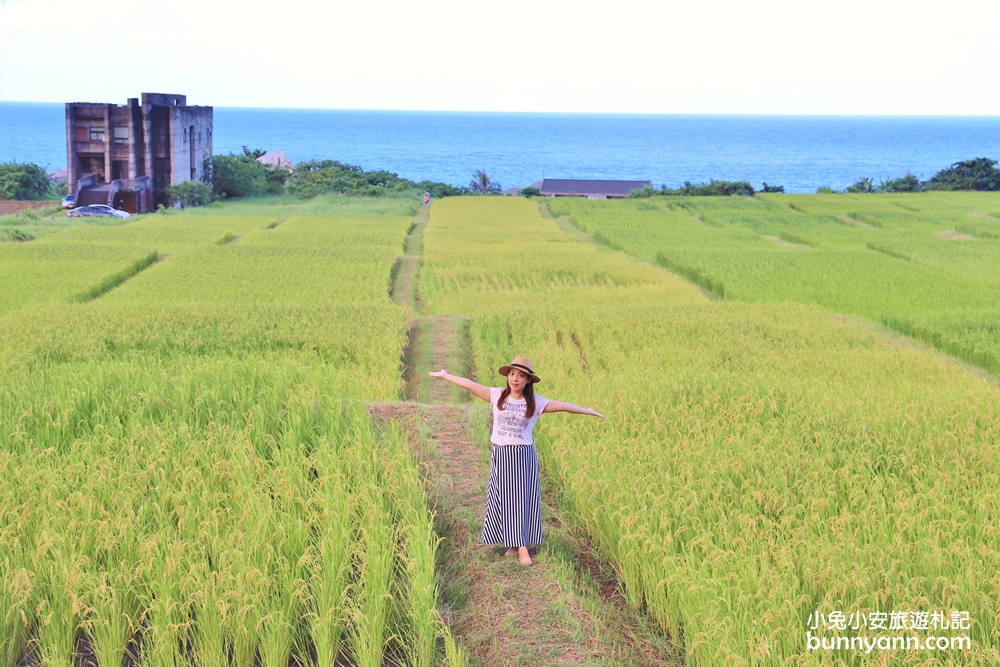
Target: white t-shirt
{"points": [[509, 425]]}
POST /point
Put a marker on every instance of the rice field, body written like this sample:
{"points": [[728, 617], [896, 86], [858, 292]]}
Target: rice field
{"points": [[188, 473], [760, 462], [926, 265]]}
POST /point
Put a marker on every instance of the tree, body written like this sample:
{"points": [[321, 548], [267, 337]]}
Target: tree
{"points": [[234, 176], [482, 184], [908, 183], [863, 185], [23, 180], [977, 174]]}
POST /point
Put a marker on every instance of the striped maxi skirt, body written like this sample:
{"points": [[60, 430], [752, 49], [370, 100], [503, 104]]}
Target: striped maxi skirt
{"points": [[513, 498]]}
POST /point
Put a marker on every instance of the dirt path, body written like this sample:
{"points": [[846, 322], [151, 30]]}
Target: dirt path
{"points": [[568, 608], [9, 207], [955, 236], [857, 223], [984, 215], [786, 244]]}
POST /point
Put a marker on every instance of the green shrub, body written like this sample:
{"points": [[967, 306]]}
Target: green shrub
{"points": [[234, 176], [23, 181], [319, 177], [529, 192], [908, 183], [190, 193], [644, 192], [864, 185], [712, 189]]}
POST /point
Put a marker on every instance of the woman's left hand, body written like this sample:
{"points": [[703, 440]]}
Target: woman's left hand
{"points": [[595, 413]]}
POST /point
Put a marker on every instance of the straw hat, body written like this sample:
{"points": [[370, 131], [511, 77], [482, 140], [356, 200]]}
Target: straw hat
{"points": [[521, 364]]}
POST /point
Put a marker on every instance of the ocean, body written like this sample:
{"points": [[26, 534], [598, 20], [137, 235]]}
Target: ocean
{"points": [[802, 153]]}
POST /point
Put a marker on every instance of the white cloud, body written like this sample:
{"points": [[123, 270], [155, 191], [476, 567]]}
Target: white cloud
{"points": [[774, 56]]}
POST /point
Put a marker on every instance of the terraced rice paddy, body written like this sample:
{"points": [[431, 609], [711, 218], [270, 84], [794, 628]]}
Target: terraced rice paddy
{"points": [[927, 265], [187, 468], [759, 462], [188, 473]]}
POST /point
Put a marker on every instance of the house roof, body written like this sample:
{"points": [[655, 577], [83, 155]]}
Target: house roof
{"points": [[570, 187], [276, 159]]}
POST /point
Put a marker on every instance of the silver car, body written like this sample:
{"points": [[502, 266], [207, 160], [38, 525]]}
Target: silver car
{"points": [[96, 210]]}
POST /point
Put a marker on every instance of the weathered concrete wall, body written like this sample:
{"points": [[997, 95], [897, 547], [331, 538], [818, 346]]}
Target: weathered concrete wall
{"points": [[191, 141], [162, 140]]}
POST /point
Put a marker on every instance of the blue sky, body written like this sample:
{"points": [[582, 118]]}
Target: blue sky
{"points": [[770, 56]]}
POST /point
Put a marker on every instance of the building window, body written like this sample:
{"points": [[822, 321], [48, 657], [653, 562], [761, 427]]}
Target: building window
{"points": [[185, 136], [97, 134], [81, 134], [121, 135]]}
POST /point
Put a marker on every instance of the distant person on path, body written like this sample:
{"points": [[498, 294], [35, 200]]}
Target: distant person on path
{"points": [[513, 495], [427, 199]]}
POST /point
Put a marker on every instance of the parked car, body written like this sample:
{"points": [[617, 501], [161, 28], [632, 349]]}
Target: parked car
{"points": [[96, 210], [69, 201]]}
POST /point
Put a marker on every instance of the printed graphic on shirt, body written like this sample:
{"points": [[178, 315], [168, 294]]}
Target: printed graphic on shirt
{"points": [[510, 427], [511, 422]]}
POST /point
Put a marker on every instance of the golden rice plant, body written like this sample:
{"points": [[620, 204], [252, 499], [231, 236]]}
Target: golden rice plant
{"points": [[759, 462]]}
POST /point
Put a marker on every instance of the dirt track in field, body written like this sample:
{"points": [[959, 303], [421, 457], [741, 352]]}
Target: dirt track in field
{"points": [[566, 609], [12, 207]]}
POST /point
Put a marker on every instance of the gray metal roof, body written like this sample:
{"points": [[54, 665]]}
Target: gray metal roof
{"points": [[579, 188]]}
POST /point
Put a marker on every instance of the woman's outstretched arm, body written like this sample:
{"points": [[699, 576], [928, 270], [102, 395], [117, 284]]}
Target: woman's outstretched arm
{"points": [[563, 406], [477, 389]]}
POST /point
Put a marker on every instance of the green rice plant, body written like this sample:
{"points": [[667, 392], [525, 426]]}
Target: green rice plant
{"points": [[108, 283], [210, 612], [285, 559], [48, 271], [372, 597], [113, 611], [241, 628], [16, 590], [167, 618], [418, 589], [60, 609], [455, 655], [333, 512]]}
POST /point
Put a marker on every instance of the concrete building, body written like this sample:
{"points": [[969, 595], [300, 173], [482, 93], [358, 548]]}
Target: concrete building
{"points": [[126, 156], [556, 187]]}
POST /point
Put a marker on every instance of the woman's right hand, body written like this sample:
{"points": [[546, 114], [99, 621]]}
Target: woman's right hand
{"points": [[437, 374]]}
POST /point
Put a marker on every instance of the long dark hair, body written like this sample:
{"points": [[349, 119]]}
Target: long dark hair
{"points": [[529, 399]]}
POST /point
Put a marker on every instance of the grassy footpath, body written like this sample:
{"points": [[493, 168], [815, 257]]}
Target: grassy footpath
{"points": [[568, 609]]}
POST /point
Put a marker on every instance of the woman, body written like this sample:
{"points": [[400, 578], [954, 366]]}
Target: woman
{"points": [[513, 496]]}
